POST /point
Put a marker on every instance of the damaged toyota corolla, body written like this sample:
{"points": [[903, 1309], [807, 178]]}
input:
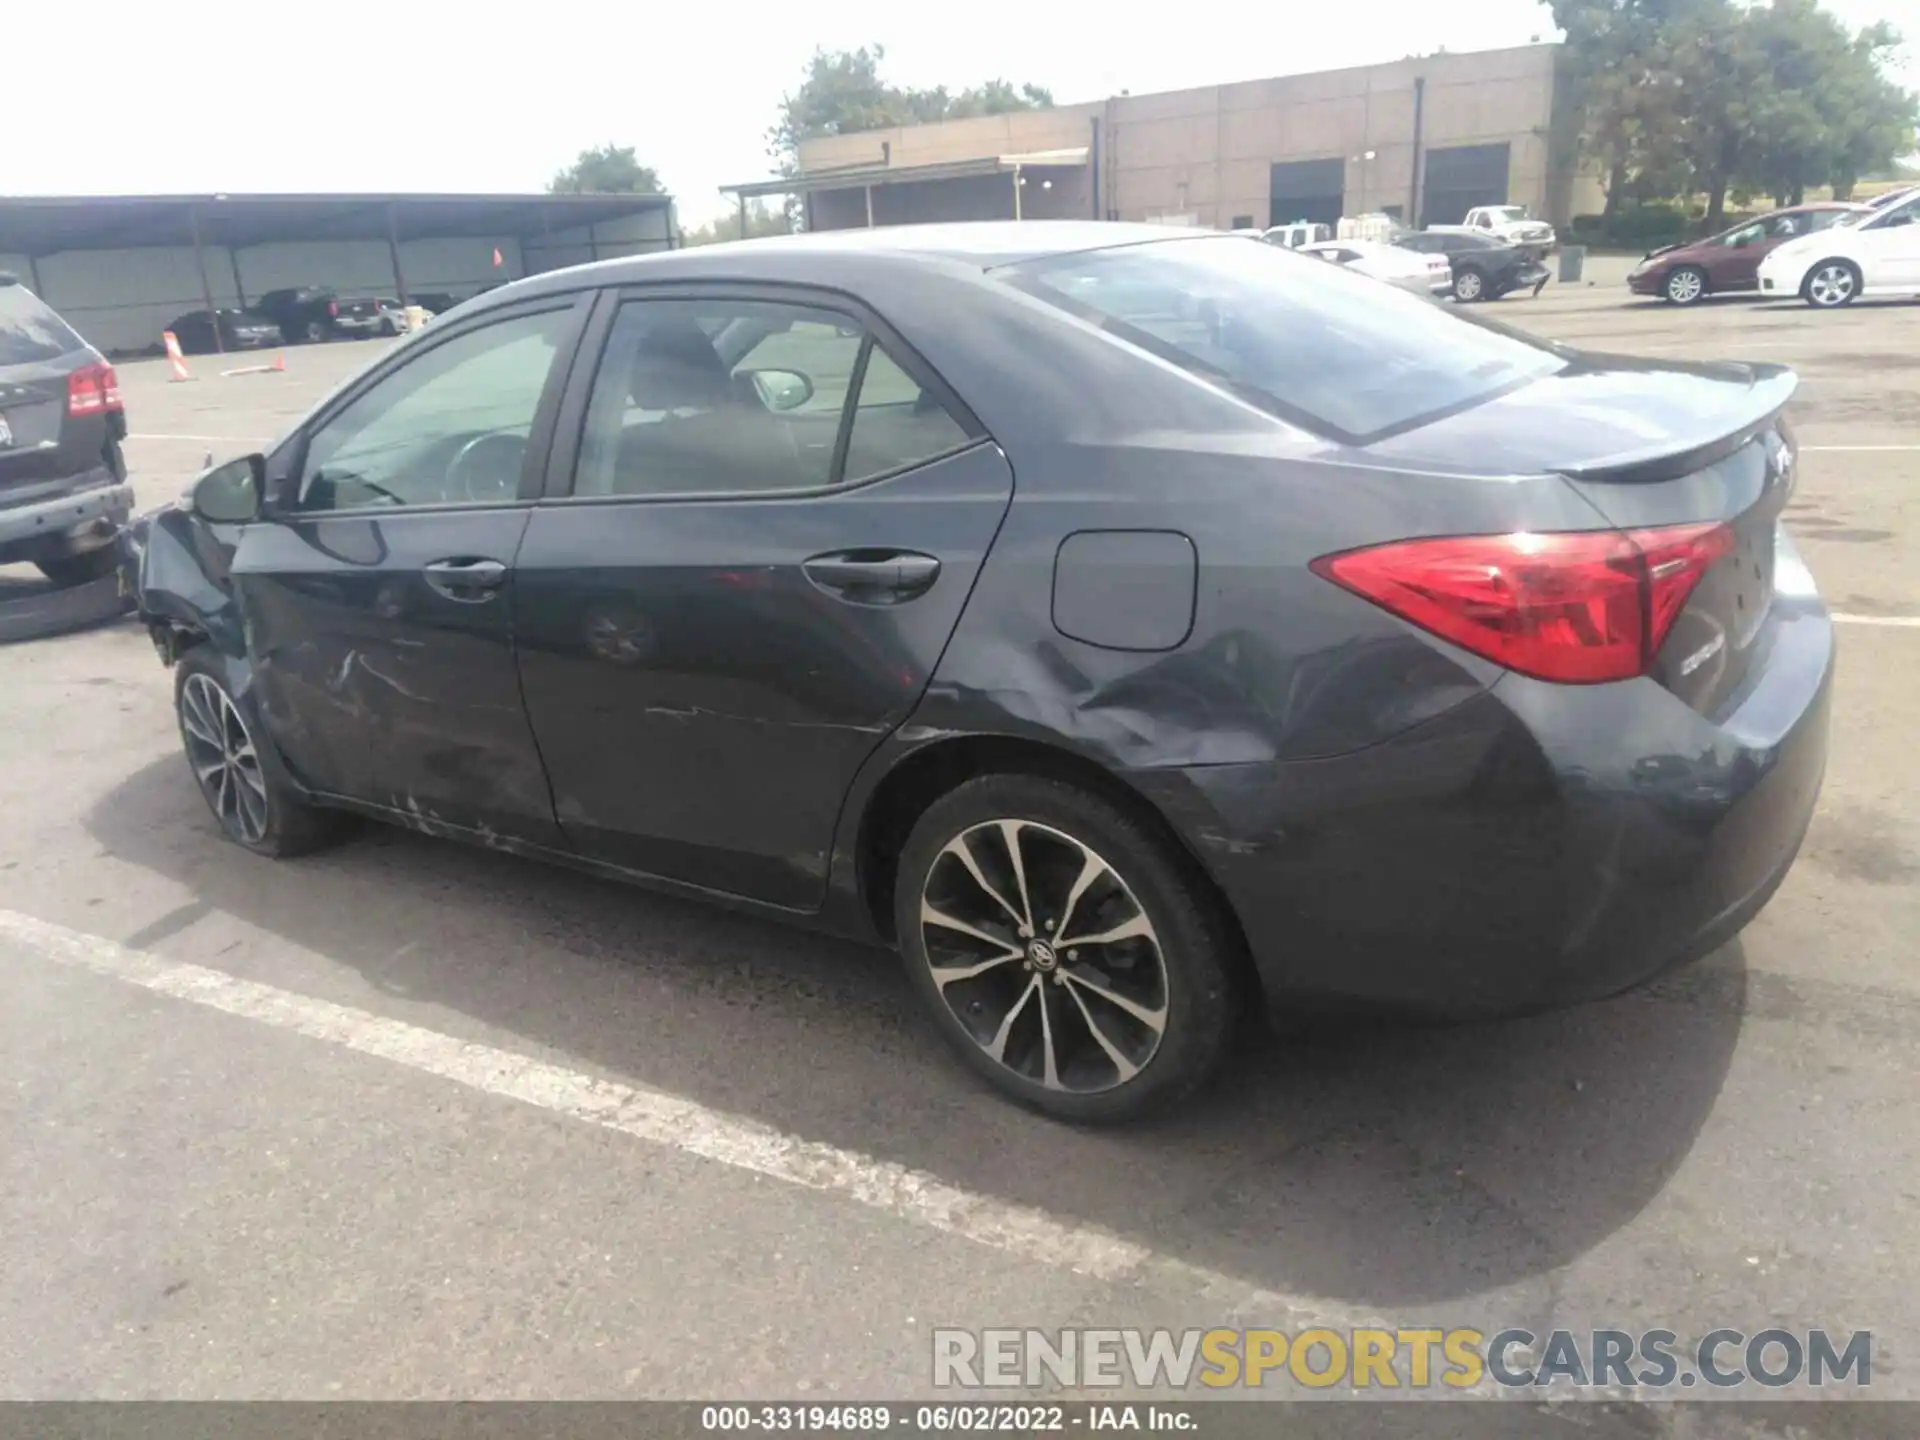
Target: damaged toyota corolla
{"points": [[1128, 627]]}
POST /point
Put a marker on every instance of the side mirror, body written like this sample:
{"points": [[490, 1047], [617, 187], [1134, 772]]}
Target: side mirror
{"points": [[781, 390], [230, 494]]}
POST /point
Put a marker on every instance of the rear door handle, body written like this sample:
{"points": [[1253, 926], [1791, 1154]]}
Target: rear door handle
{"points": [[469, 580], [873, 577]]}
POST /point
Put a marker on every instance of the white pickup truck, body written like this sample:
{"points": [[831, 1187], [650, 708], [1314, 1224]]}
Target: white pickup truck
{"points": [[1510, 223]]}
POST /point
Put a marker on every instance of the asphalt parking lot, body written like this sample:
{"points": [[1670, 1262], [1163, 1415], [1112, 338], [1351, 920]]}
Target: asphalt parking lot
{"points": [[407, 1120]]}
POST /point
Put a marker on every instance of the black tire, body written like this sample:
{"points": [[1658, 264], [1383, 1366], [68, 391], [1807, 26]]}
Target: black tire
{"points": [[1831, 284], [1685, 285], [1469, 285], [1063, 831], [283, 824], [81, 569]]}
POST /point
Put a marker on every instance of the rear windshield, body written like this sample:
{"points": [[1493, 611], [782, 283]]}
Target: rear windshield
{"points": [[29, 331], [1323, 347]]}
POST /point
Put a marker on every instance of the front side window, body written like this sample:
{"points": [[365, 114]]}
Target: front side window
{"points": [[744, 397], [449, 427], [1322, 347], [1893, 215], [1827, 219]]}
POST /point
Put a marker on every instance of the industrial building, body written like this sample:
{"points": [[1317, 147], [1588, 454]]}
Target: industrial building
{"points": [[119, 268], [1423, 139]]}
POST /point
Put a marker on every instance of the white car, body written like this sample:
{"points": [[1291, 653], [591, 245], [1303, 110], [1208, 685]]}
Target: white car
{"points": [[1422, 274], [1299, 233], [1873, 253], [1510, 223]]}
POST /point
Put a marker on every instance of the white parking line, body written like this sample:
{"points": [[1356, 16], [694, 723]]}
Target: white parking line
{"points": [[1898, 622], [652, 1115]]}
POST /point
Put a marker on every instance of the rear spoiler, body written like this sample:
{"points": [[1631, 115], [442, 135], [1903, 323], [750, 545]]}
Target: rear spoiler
{"points": [[1772, 388]]}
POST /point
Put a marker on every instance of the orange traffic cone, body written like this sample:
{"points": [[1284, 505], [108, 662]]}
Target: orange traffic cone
{"points": [[280, 362], [174, 356]]}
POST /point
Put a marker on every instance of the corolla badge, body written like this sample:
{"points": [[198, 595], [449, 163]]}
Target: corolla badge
{"points": [[1705, 653]]}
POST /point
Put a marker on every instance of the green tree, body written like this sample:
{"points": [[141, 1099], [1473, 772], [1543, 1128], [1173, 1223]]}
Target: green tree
{"points": [[843, 93], [760, 222], [1620, 64], [606, 170]]}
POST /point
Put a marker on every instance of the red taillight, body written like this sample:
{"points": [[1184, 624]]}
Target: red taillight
{"points": [[93, 390], [333, 310], [1579, 608]]}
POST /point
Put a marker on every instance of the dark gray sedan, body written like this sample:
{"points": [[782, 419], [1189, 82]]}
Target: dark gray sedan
{"points": [[1130, 626]]}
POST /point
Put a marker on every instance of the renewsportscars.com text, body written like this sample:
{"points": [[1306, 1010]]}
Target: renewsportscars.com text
{"points": [[1410, 1359]]}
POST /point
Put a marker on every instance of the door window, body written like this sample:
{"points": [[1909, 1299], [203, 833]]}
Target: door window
{"points": [[896, 423], [449, 427], [748, 397]]}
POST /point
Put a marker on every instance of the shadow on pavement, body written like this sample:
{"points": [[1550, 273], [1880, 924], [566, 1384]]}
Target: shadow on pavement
{"points": [[1386, 1167]]}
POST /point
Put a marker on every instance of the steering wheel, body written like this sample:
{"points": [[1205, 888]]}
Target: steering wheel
{"points": [[487, 468]]}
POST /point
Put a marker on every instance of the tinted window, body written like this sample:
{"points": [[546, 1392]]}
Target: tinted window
{"points": [[449, 427], [1326, 348], [1425, 244], [30, 331], [896, 423], [1471, 242], [1827, 219], [737, 396]]}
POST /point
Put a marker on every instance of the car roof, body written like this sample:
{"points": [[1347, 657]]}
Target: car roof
{"points": [[978, 245]]}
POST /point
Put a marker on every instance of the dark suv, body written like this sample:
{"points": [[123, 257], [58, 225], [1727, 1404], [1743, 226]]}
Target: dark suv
{"points": [[63, 481], [306, 313]]}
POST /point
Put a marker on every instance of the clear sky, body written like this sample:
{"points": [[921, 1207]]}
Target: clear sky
{"points": [[159, 96]]}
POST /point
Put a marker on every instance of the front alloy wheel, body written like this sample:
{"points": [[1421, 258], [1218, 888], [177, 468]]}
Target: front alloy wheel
{"points": [[224, 759], [1468, 286], [1832, 284], [1063, 952], [1686, 285]]}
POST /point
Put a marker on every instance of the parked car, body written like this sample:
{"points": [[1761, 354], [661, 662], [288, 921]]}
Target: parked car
{"points": [[238, 330], [1480, 267], [1876, 253], [1421, 274], [1297, 234], [1256, 688], [306, 313], [63, 479], [1512, 223], [435, 302], [1730, 261], [379, 316]]}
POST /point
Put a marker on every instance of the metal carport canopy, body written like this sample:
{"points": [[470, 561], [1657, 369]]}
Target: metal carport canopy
{"points": [[38, 226]]}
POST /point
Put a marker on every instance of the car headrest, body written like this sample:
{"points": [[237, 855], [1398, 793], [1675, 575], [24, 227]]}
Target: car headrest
{"points": [[675, 367]]}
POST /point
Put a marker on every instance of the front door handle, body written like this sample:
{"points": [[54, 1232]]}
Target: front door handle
{"points": [[873, 577], [468, 580]]}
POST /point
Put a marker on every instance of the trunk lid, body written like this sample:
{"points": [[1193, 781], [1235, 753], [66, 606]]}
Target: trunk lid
{"points": [[1651, 446]]}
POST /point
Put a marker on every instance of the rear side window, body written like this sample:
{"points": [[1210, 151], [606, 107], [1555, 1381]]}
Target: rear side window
{"points": [[29, 330], [1322, 347]]}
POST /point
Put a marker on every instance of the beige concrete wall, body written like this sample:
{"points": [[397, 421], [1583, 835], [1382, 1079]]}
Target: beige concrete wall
{"points": [[1018, 133], [1208, 151]]}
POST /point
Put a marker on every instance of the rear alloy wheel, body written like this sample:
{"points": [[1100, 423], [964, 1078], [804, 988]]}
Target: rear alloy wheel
{"points": [[1468, 285], [1685, 285], [315, 332], [1831, 284], [254, 807], [1061, 951]]}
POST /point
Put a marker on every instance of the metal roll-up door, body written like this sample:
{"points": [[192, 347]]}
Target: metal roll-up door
{"points": [[1307, 190]]}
